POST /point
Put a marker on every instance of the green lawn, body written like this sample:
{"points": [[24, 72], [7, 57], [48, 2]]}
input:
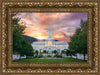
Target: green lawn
{"points": [[49, 60]]}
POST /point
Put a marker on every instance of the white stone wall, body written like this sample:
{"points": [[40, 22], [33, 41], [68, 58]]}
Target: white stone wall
{"points": [[17, 56], [79, 56]]}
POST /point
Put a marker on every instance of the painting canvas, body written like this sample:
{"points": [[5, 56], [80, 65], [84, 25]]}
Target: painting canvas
{"points": [[49, 37]]}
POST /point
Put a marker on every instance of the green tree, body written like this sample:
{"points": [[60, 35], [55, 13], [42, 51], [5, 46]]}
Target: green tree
{"points": [[27, 48], [20, 45], [79, 39], [63, 52], [55, 52], [70, 52], [36, 52], [44, 51]]}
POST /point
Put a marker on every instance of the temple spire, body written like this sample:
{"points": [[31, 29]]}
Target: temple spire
{"points": [[50, 33]]}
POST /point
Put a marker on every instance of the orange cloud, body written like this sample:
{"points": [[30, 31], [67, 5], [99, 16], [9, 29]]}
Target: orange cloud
{"points": [[41, 35], [37, 24], [55, 15], [59, 35], [41, 15], [64, 14]]}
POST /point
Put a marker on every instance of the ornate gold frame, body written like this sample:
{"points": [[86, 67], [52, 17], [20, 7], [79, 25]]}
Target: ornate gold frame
{"points": [[49, 6]]}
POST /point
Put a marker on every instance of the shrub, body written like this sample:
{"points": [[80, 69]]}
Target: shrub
{"points": [[49, 55], [39, 56], [58, 56], [35, 56]]}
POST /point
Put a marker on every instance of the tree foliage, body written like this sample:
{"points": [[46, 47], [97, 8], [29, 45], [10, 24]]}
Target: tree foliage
{"points": [[79, 39], [55, 52], [20, 45], [63, 51], [36, 52], [70, 52], [44, 51]]}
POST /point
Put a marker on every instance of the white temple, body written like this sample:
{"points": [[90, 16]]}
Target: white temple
{"points": [[50, 44]]}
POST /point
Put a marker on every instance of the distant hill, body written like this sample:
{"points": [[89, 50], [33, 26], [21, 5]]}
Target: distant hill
{"points": [[29, 39]]}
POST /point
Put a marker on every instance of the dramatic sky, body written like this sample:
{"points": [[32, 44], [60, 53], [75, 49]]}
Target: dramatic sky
{"points": [[63, 25]]}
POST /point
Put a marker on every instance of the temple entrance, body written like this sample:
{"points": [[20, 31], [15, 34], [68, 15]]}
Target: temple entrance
{"points": [[50, 52]]}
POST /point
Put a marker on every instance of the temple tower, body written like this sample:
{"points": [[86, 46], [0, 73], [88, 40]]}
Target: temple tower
{"points": [[49, 41], [50, 33]]}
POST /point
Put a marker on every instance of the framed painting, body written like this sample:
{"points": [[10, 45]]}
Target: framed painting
{"points": [[49, 37]]}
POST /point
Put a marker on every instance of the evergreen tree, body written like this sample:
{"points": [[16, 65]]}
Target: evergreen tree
{"points": [[55, 52], [79, 39], [44, 51], [36, 52]]}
